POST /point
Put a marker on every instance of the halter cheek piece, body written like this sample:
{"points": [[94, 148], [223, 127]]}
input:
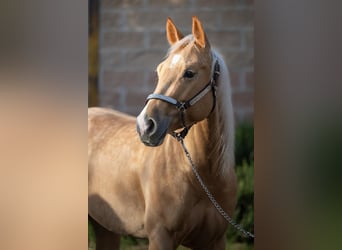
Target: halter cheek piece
{"points": [[183, 106]]}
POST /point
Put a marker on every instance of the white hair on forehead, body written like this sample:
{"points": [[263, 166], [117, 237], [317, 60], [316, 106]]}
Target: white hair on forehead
{"points": [[175, 59]]}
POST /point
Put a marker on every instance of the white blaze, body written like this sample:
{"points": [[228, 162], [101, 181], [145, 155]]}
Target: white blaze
{"points": [[141, 119], [175, 60]]}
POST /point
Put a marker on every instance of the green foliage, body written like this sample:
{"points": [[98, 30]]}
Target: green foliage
{"points": [[91, 236], [244, 212], [244, 144], [244, 157], [128, 241]]}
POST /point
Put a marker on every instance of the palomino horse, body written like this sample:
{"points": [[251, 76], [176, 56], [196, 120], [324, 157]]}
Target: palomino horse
{"points": [[150, 190]]}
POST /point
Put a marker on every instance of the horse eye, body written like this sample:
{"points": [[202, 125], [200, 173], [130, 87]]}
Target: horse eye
{"points": [[188, 74]]}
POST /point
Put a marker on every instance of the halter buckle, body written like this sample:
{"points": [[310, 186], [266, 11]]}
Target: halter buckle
{"points": [[181, 106], [181, 135]]}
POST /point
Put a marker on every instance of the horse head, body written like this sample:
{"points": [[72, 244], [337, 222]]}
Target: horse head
{"points": [[185, 77]]}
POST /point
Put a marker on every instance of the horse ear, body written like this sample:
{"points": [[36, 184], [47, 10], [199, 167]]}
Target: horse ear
{"points": [[173, 34], [198, 33]]}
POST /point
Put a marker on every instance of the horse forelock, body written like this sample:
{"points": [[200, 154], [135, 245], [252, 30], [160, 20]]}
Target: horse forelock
{"points": [[180, 44]]}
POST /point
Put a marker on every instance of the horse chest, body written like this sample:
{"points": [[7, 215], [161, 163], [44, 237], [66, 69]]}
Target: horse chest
{"points": [[188, 208], [202, 224]]}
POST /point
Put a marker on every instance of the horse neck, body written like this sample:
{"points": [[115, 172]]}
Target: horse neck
{"points": [[211, 141]]}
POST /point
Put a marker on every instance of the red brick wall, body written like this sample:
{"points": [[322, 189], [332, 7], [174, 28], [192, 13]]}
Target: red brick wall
{"points": [[133, 42]]}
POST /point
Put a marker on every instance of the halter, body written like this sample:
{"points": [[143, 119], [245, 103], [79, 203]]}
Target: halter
{"points": [[183, 106]]}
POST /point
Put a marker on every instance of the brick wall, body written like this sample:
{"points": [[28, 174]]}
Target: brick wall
{"points": [[133, 42]]}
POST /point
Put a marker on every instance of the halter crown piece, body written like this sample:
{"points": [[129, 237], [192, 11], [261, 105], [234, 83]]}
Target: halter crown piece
{"points": [[183, 106]]}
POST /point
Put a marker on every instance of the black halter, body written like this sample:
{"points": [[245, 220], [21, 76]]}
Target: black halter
{"points": [[183, 106]]}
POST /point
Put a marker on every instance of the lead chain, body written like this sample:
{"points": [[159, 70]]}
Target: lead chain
{"points": [[211, 197]]}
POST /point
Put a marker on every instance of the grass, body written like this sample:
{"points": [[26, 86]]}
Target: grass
{"points": [[125, 246]]}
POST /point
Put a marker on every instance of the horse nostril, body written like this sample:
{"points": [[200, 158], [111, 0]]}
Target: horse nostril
{"points": [[151, 126]]}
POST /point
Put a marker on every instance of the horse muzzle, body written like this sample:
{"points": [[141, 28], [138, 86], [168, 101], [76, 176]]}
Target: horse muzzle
{"points": [[152, 131]]}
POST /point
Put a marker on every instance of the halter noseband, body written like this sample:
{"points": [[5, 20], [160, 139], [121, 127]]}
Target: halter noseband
{"points": [[183, 106]]}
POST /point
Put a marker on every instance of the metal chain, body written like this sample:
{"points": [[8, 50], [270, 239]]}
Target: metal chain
{"points": [[210, 196]]}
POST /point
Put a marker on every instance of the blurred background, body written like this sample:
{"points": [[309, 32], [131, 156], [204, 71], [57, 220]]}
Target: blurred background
{"points": [[127, 40]]}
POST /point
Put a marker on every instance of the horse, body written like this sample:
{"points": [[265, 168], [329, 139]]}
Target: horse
{"points": [[140, 180]]}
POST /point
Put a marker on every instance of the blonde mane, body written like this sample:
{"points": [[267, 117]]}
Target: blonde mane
{"points": [[224, 149]]}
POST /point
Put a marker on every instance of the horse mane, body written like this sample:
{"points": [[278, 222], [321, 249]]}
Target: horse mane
{"points": [[224, 148]]}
